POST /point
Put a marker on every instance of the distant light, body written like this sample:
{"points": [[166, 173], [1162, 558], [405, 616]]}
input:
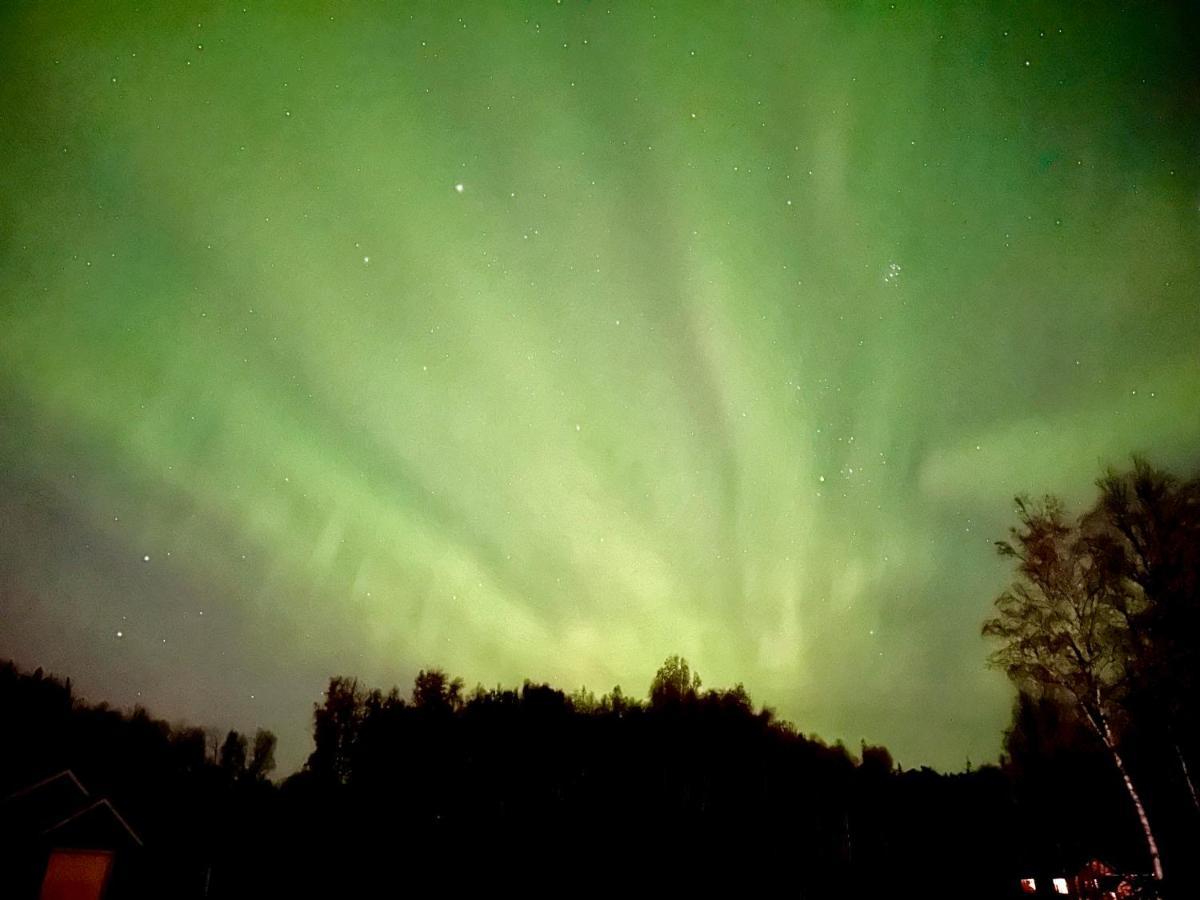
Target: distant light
{"points": [[1028, 885], [1060, 885]]}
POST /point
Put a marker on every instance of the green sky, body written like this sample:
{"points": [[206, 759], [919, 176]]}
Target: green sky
{"points": [[545, 340]]}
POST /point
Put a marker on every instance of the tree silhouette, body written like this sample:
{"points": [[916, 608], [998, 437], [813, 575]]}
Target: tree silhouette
{"points": [[262, 756], [1144, 532], [233, 755], [335, 728], [673, 683], [1062, 630], [435, 691]]}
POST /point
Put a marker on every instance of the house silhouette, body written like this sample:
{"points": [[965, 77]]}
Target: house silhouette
{"points": [[59, 842]]}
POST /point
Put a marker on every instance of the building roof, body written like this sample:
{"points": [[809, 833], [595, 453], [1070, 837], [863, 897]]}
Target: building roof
{"points": [[61, 810]]}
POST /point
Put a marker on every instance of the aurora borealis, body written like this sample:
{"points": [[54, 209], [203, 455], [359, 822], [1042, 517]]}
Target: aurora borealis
{"points": [[546, 340]]}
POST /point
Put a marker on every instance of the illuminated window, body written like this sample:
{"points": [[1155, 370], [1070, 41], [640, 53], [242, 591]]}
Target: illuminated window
{"points": [[76, 875], [1060, 885], [1028, 885]]}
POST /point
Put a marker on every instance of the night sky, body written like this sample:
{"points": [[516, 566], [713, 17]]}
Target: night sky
{"points": [[546, 340]]}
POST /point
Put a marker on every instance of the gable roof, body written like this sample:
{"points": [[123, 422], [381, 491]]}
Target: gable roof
{"points": [[86, 821], [61, 809]]}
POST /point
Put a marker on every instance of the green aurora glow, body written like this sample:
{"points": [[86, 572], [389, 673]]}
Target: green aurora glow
{"points": [[746, 324]]}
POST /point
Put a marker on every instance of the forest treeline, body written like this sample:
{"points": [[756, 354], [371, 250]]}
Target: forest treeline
{"points": [[529, 784], [535, 787], [697, 783]]}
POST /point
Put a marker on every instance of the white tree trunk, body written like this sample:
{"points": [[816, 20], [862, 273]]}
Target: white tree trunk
{"points": [[1151, 844], [1187, 776]]}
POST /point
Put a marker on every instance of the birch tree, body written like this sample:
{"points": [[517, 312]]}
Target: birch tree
{"points": [[1061, 629], [1145, 533]]}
